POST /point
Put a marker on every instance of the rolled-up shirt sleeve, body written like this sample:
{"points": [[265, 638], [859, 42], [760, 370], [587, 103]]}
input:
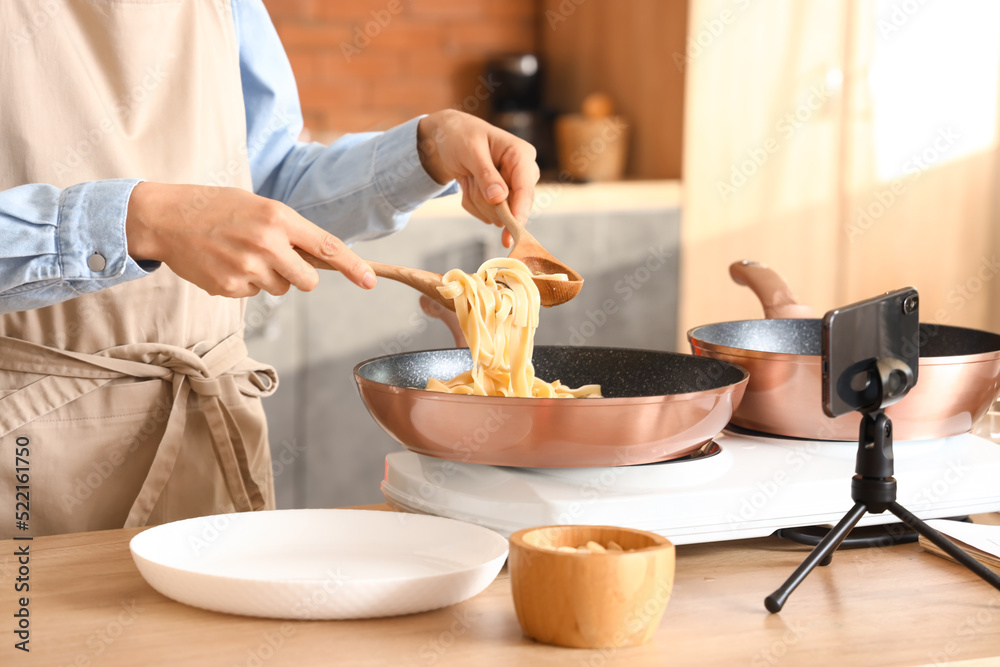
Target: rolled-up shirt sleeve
{"points": [[61, 243], [360, 187]]}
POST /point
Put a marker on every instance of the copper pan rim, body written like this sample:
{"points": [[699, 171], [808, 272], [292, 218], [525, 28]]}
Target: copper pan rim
{"points": [[699, 344], [437, 396], [752, 354], [571, 404]]}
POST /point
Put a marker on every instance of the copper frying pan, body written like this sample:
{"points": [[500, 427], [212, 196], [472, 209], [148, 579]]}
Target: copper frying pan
{"points": [[959, 376], [657, 406]]}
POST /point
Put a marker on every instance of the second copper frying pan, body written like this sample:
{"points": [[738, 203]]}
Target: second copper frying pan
{"points": [[959, 375]]}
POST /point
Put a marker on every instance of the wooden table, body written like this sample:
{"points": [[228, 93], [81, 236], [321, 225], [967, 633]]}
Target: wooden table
{"points": [[887, 606]]}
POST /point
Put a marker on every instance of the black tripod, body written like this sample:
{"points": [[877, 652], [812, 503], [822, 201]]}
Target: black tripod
{"points": [[873, 489]]}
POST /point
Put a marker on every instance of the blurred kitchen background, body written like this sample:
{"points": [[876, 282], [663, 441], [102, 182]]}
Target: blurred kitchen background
{"points": [[850, 144]]}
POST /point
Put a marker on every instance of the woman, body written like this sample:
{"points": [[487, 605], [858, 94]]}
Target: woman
{"points": [[150, 181]]}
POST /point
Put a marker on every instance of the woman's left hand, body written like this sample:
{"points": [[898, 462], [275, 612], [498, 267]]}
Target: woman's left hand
{"points": [[490, 165]]}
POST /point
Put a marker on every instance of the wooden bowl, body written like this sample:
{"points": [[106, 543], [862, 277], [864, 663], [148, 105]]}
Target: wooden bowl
{"points": [[590, 600]]}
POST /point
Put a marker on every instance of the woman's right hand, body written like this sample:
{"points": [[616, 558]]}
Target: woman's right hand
{"points": [[231, 242]]}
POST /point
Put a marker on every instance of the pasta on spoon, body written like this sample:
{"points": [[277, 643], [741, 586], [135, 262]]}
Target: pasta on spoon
{"points": [[497, 308]]}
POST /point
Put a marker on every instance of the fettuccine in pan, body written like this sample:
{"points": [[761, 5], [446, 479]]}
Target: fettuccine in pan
{"points": [[497, 308]]}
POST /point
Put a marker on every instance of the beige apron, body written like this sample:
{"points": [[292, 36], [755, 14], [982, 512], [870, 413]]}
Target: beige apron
{"points": [[138, 403]]}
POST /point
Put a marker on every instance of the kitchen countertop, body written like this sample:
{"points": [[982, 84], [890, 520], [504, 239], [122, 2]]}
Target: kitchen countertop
{"points": [[889, 606]]}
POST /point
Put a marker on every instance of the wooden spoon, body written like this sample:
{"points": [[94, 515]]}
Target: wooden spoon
{"points": [[425, 282], [551, 291]]}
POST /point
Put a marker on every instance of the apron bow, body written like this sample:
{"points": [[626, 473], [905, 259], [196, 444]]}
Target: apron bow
{"points": [[67, 375]]}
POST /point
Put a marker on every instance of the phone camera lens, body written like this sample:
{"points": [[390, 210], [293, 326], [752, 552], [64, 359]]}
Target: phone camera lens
{"points": [[910, 304]]}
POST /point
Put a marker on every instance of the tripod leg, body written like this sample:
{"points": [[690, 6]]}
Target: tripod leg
{"points": [[946, 545], [776, 600]]}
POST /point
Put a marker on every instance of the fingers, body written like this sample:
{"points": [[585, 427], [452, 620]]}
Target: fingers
{"points": [[491, 165], [518, 167], [234, 292], [503, 167], [475, 204], [486, 213], [273, 283], [295, 270], [488, 180], [327, 247]]}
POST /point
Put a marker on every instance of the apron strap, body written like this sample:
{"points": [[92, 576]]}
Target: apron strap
{"points": [[69, 375]]}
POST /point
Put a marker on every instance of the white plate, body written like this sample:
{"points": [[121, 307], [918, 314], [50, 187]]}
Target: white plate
{"points": [[319, 564]]}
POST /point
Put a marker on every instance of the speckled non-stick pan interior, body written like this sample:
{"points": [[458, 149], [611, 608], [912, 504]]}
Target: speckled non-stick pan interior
{"points": [[620, 372], [803, 337]]}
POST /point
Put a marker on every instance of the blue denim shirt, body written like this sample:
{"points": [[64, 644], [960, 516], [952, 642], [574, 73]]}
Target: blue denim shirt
{"points": [[363, 186]]}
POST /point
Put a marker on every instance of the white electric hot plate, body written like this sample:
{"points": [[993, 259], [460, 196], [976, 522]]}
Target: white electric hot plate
{"points": [[319, 564], [750, 487]]}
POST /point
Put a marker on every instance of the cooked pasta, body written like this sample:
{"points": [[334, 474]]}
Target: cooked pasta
{"points": [[497, 308]]}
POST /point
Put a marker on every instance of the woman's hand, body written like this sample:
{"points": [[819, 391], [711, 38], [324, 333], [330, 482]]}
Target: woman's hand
{"points": [[488, 163], [231, 242]]}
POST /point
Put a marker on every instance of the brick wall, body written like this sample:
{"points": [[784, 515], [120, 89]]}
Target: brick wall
{"points": [[371, 64]]}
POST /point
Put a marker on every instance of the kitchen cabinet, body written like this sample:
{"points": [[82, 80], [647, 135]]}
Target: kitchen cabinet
{"points": [[327, 450]]}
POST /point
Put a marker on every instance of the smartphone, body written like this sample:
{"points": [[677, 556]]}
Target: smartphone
{"points": [[856, 337]]}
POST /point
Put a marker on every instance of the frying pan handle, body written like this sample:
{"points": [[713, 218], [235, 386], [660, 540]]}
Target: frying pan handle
{"points": [[434, 309], [772, 290]]}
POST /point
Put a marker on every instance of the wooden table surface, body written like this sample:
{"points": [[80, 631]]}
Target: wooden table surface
{"points": [[885, 606]]}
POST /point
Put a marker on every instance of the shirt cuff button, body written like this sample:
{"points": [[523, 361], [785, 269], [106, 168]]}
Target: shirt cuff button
{"points": [[96, 262]]}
